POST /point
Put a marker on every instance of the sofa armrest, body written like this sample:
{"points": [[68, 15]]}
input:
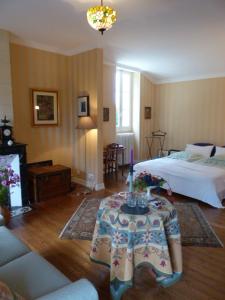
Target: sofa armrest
{"points": [[2, 222], [79, 290]]}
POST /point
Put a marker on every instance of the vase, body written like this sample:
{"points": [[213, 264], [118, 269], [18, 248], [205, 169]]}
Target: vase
{"points": [[149, 194], [4, 211]]}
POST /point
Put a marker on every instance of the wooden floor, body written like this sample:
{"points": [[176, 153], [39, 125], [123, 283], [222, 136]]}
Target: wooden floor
{"points": [[204, 268]]}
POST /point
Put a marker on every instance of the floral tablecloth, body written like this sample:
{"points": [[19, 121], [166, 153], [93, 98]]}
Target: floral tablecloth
{"points": [[124, 241]]}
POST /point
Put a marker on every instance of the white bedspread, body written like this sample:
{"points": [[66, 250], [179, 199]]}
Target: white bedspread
{"points": [[188, 178]]}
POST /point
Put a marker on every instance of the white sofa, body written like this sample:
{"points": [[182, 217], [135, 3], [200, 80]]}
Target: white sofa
{"points": [[31, 276]]}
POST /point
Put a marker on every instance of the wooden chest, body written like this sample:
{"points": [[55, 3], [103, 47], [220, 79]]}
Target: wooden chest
{"points": [[48, 181]]}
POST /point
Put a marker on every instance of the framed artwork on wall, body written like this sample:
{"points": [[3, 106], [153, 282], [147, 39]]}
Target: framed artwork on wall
{"points": [[105, 114], [83, 106], [148, 112], [45, 107]]}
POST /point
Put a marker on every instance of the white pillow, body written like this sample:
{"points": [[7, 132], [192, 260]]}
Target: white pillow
{"points": [[220, 150], [203, 150]]}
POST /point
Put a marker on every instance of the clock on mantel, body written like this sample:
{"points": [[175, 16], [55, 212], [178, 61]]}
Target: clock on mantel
{"points": [[6, 133]]}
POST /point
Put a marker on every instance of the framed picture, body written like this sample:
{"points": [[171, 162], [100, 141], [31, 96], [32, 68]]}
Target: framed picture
{"points": [[105, 114], [45, 107], [148, 112], [83, 106]]}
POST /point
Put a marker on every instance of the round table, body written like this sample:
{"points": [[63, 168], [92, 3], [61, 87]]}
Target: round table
{"points": [[124, 241]]}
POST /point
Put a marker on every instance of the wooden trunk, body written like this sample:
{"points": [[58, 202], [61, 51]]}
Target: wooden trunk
{"points": [[48, 181]]}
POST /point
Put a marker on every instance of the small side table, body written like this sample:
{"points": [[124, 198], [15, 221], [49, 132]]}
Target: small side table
{"points": [[124, 241]]}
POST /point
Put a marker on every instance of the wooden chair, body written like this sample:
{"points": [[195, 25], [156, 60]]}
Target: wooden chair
{"points": [[110, 159]]}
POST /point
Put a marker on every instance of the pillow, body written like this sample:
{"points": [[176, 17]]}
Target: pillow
{"points": [[204, 150], [220, 150], [207, 144], [7, 294], [187, 156]]}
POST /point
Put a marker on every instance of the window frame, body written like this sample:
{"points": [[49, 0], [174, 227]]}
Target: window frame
{"points": [[130, 127]]}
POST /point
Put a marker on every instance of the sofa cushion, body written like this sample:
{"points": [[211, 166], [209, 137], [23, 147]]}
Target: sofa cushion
{"points": [[79, 290], [10, 246], [7, 294], [32, 276]]}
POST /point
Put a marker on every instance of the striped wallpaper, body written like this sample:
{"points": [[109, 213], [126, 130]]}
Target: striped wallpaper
{"points": [[87, 73], [71, 77], [147, 97], [191, 111], [33, 68], [109, 128], [5, 77]]}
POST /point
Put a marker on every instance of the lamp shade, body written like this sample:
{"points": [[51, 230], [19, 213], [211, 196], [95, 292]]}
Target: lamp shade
{"points": [[86, 123], [101, 17]]}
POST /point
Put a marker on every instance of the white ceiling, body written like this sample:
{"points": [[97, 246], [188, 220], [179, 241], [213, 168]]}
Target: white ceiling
{"points": [[171, 40]]}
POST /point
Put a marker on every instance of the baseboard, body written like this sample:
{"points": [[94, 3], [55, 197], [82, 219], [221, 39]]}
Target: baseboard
{"points": [[98, 186], [78, 180]]}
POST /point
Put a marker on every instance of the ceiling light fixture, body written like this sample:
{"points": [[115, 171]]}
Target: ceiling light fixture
{"points": [[101, 17]]}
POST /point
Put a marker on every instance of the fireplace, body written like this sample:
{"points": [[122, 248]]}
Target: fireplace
{"points": [[21, 159]]}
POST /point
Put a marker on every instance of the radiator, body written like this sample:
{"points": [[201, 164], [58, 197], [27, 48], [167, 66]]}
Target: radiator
{"points": [[127, 140]]}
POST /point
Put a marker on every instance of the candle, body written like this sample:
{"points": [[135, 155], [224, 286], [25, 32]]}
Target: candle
{"points": [[131, 156]]}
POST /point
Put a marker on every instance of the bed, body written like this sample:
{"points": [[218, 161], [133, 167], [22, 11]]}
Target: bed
{"points": [[201, 178]]}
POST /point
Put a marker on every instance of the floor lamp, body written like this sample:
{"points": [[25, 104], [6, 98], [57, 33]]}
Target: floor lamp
{"points": [[86, 123]]}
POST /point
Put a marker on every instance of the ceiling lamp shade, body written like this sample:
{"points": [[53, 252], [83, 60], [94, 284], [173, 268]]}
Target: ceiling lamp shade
{"points": [[101, 17]]}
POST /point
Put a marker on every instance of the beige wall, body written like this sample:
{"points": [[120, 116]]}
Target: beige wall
{"points": [[109, 128], [147, 97], [71, 77], [6, 107], [33, 68], [87, 71], [191, 111]]}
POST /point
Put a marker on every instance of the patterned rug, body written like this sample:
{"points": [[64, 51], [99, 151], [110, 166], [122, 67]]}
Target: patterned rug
{"points": [[195, 229]]}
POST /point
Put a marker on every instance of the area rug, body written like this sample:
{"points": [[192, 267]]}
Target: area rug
{"points": [[195, 229]]}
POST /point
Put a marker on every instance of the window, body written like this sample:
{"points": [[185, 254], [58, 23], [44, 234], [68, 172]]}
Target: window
{"points": [[124, 95]]}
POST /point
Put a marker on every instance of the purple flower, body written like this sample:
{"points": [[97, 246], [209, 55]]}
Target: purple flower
{"points": [[4, 183], [8, 177]]}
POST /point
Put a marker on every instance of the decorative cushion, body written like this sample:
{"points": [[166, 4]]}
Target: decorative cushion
{"points": [[207, 144], [204, 150], [7, 294], [220, 150], [187, 156]]}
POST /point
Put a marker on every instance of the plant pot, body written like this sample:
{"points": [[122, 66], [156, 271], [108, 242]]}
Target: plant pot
{"points": [[4, 211]]}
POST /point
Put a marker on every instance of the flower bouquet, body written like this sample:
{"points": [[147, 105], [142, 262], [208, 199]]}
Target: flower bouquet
{"points": [[145, 181], [7, 178]]}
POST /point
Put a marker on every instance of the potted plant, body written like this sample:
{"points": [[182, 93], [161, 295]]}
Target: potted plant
{"points": [[7, 178]]}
